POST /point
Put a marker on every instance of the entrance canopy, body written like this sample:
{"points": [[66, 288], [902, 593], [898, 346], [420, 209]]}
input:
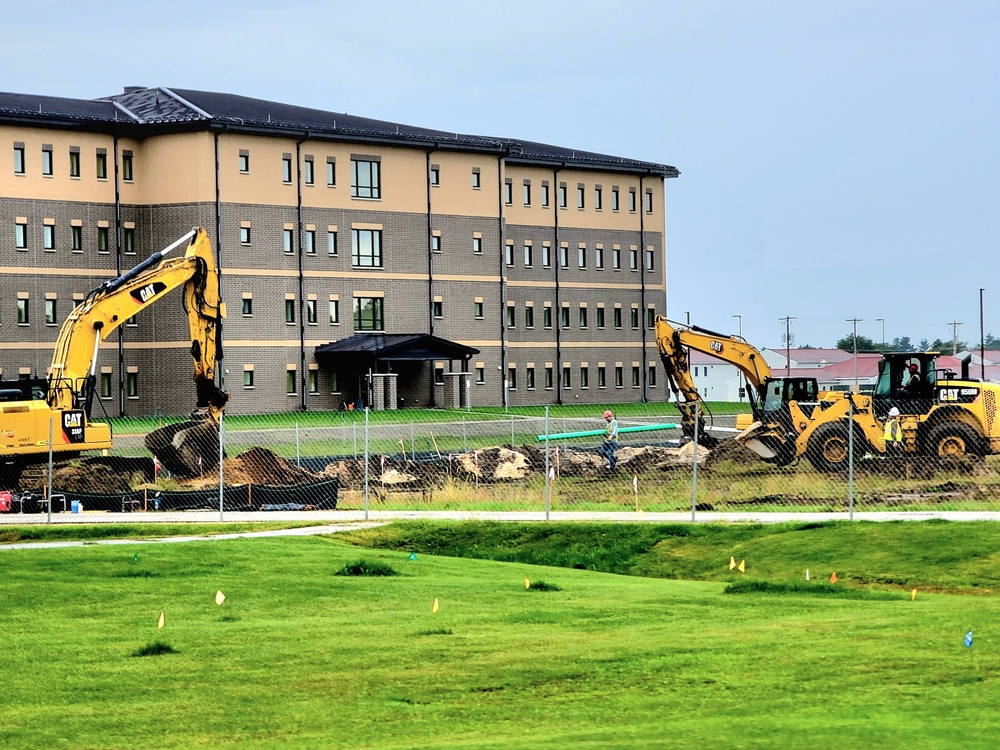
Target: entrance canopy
{"points": [[393, 347]]}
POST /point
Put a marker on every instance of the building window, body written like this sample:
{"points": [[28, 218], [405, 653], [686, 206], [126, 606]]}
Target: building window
{"points": [[291, 382], [650, 256], [598, 198], [602, 377], [527, 193], [310, 242], [48, 237], [244, 162], [614, 199], [313, 381], [102, 240], [23, 312], [476, 179], [289, 311], [631, 200], [19, 159], [333, 382], [21, 236], [331, 243], [74, 163], [368, 314], [649, 201], [286, 169], [47, 161], [509, 254], [335, 312], [634, 317], [132, 384], [331, 172], [248, 378], [618, 317], [635, 376], [511, 315], [76, 239], [102, 165], [128, 240], [480, 375], [508, 192], [512, 378], [567, 377], [583, 317], [529, 378], [127, 172], [616, 258], [650, 318], [599, 258], [529, 317], [563, 256], [477, 245], [600, 317], [652, 376], [528, 256], [50, 312], [309, 171], [438, 309], [580, 196], [365, 179], [564, 317], [633, 259], [248, 307], [132, 322], [547, 316], [562, 196], [584, 377], [366, 248], [546, 256], [311, 312], [548, 378], [435, 175], [288, 241], [435, 243], [477, 309], [545, 195], [581, 257], [244, 235], [105, 385], [619, 377]]}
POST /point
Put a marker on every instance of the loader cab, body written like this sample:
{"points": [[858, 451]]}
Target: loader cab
{"points": [[894, 372]]}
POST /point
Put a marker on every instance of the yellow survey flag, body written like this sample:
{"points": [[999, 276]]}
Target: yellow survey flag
{"points": [[913, 595], [833, 578], [435, 607], [527, 583], [742, 567], [732, 563], [161, 622], [219, 597]]}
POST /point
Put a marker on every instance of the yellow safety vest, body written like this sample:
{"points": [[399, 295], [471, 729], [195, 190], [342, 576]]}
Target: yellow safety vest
{"points": [[893, 431]]}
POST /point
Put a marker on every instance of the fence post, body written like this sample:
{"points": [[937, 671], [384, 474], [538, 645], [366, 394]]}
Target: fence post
{"points": [[366, 464], [222, 485], [354, 424], [694, 466], [548, 487], [298, 455], [49, 495], [850, 458], [512, 433], [465, 441], [413, 445]]}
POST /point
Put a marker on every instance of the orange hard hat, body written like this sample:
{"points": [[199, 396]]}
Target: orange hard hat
{"points": [[913, 365], [608, 414]]}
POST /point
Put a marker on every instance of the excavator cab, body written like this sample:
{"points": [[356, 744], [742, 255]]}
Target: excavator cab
{"points": [[779, 391]]}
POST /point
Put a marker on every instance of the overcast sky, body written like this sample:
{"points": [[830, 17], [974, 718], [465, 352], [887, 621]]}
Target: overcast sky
{"points": [[838, 159]]}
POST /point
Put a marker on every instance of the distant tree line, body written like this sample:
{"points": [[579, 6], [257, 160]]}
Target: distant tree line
{"points": [[904, 344]]}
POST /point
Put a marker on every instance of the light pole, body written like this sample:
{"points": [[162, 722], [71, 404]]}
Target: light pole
{"points": [[855, 321], [788, 343], [882, 321], [740, 320]]}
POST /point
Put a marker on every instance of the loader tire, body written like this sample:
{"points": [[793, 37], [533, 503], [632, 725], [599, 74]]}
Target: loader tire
{"points": [[954, 440], [828, 448]]}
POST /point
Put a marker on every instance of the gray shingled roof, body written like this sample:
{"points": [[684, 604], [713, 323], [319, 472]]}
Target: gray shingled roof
{"points": [[139, 112]]}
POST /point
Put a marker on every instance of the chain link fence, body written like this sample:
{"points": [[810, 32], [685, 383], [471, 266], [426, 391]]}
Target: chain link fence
{"points": [[531, 459]]}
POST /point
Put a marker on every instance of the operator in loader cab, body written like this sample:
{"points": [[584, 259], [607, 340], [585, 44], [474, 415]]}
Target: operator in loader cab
{"points": [[911, 381]]}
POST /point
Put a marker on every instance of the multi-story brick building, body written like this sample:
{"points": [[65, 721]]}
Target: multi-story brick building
{"points": [[536, 269]]}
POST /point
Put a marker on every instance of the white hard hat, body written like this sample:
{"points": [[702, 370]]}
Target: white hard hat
{"points": [[894, 412]]}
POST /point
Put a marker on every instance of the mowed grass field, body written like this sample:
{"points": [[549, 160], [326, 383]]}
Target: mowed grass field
{"points": [[298, 656]]}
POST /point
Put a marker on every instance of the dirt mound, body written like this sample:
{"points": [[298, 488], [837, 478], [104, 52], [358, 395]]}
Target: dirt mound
{"points": [[732, 451], [493, 464], [100, 477], [261, 466]]}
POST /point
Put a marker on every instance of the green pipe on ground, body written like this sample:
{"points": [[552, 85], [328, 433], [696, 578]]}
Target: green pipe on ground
{"points": [[595, 433]]}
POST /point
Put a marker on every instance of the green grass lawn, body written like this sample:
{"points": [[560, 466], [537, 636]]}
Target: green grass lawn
{"points": [[300, 657]]}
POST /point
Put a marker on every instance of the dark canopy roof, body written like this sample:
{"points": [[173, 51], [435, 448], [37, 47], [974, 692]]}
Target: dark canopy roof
{"points": [[414, 347]]}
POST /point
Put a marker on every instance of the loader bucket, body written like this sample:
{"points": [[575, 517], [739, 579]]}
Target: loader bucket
{"points": [[186, 449]]}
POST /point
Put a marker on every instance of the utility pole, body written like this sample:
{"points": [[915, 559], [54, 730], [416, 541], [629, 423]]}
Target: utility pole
{"points": [[882, 321], [788, 343], [954, 337], [740, 320], [982, 340], [855, 321]]}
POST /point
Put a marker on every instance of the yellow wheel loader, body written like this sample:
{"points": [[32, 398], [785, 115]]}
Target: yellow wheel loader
{"points": [[65, 397]]}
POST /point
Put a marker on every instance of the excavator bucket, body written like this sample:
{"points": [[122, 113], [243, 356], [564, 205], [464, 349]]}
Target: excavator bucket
{"points": [[186, 449]]}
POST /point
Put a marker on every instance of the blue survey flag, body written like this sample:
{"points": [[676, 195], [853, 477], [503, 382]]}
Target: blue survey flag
{"points": [[968, 639]]}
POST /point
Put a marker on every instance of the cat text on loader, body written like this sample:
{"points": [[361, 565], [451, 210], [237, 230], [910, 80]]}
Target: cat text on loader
{"points": [[940, 415], [67, 394]]}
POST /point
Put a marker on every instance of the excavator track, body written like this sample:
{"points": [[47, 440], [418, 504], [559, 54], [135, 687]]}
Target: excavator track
{"points": [[186, 449]]}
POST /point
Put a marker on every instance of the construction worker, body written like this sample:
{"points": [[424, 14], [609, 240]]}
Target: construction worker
{"points": [[893, 433], [607, 449], [911, 381]]}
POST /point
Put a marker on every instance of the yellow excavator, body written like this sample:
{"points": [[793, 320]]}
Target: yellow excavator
{"points": [[940, 416], [65, 398]]}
